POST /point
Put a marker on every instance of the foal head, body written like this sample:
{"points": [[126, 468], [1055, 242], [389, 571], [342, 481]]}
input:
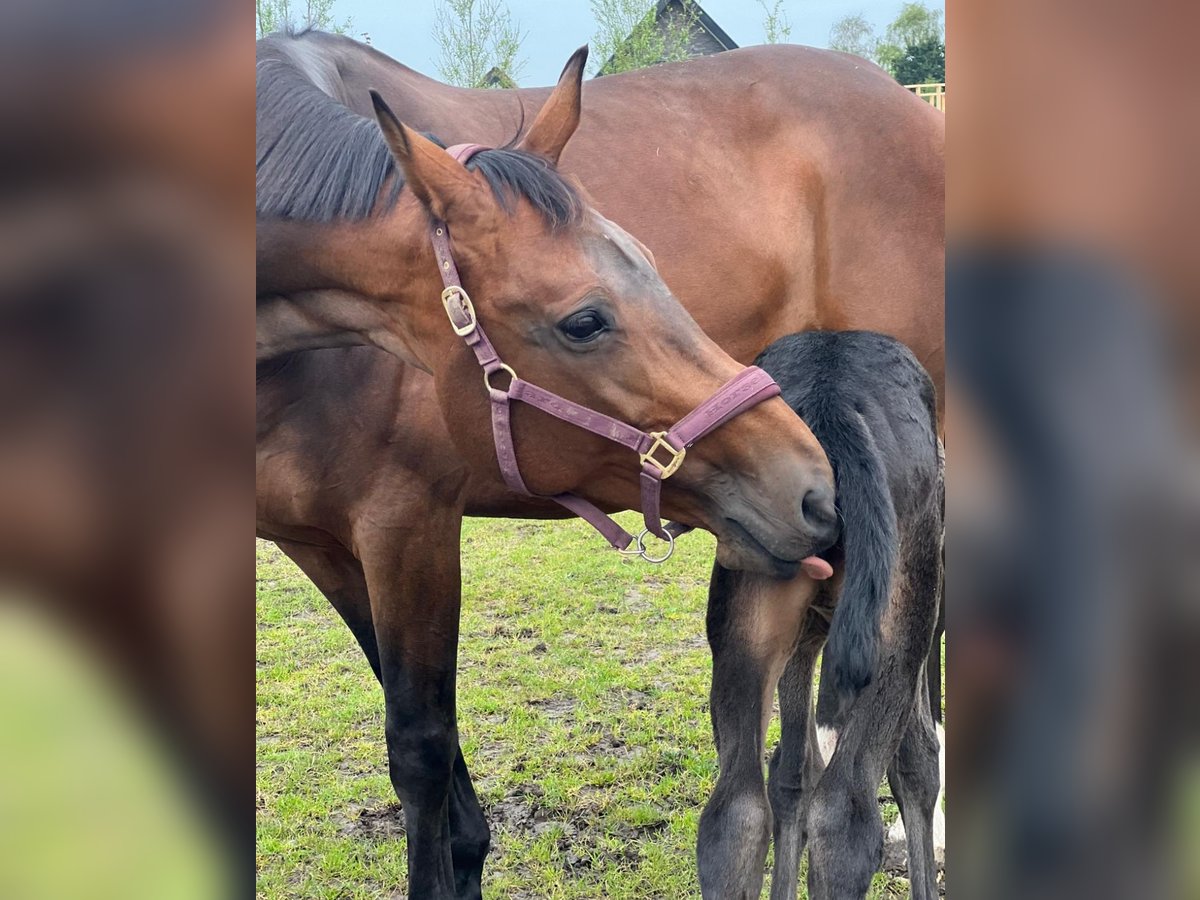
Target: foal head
{"points": [[573, 304]]}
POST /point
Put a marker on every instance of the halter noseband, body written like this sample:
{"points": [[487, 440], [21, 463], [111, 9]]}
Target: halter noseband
{"points": [[661, 452]]}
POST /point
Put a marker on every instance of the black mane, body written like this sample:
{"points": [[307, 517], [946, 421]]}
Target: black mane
{"points": [[318, 160]]}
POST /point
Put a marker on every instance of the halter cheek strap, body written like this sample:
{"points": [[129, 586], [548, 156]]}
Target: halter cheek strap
{"points": [[660, 453]]}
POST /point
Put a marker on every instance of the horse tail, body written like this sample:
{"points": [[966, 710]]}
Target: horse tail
{"points": [[869, 539]]}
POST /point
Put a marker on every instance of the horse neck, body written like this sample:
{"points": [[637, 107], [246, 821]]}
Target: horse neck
{"points": [[343, 284], [454, 114]]}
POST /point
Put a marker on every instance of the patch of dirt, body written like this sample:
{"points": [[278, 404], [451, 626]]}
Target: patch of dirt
{"points": [[381, 823], [635, 601], [609, 744], [583, 836], [581, 833], [519, 810], [555, 707], [630, 699]]}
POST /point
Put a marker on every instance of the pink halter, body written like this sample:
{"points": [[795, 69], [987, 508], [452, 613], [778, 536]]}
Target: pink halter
{"points": [[660, 452]]}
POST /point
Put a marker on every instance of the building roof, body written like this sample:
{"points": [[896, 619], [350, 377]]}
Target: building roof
{"points": [[705, 20], [497, 78], [702, 18]]}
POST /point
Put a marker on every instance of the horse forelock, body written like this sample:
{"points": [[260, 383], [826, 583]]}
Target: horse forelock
{"points": [[318, 160]]}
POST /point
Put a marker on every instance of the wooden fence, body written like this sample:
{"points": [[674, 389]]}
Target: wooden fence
{"points": [[934, 94]]}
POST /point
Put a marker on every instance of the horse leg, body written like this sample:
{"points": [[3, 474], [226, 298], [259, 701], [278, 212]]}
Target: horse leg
{"points": [[916, 783], [794, 769], [412, 573], [845, 829], [470, 837], [339, 576], [753, 623]]}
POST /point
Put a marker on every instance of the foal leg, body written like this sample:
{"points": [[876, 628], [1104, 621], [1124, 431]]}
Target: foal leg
{"points": [[794, 769], [753, 623], [845, 827], [916, 782]]}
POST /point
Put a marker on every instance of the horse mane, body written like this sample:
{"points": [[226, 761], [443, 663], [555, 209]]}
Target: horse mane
{"points": [[318, 160]]}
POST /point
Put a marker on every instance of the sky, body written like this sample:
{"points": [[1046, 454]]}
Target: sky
{"points": [[554, 28]]}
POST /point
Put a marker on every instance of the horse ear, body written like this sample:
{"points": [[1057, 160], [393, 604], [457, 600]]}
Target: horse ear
{"points": [[440, 182], [559, 117]]}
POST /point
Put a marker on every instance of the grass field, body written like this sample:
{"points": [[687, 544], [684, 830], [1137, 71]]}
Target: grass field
{"points": [[583, 711]]}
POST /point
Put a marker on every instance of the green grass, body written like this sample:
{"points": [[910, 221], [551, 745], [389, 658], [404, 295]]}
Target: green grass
{"points": [[583, 712]]}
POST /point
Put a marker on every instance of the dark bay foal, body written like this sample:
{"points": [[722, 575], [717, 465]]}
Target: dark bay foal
{"points": [[871, 405]]}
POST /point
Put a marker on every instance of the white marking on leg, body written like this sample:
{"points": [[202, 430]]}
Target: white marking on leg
{"points": [[939, 815], [827, 739]]}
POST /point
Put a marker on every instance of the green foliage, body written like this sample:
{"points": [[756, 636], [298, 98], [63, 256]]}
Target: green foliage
{"points": [[281, 15], [476, 36], [854, 34], [776, 26], [916, 25], [628, 36], [922, 63], [911, 45]]}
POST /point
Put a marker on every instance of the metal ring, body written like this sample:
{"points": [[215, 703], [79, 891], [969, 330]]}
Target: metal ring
{"points": [[487, 377], [641, 544]]}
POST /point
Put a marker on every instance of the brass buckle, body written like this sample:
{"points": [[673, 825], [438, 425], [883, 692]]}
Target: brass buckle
{"points": [[667, 469], [449, 294]]}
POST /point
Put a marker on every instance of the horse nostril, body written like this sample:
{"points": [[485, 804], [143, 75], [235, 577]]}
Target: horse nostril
{"points": [[818, 511]]}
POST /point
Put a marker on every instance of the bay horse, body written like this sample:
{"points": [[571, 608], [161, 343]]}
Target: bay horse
{"points": [[778, 216], [872, 406]]}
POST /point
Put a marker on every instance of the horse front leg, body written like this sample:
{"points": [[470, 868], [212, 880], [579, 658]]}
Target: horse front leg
{"points": [[415, 597], [753, 624], [339, 576]]}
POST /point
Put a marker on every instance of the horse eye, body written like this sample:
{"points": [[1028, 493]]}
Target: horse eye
{"points": [[583, 326]]}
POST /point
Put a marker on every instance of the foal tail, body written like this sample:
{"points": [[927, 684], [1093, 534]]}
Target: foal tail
{"points": [[869, 536]]}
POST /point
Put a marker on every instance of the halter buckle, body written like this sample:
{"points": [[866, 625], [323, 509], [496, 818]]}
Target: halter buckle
{"points": [[456, 292], [667, 469]]}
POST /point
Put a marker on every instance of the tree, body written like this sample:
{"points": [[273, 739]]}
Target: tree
{"points": [[915, 25], [922, 63], [475, 37], [913, 48], [776, 25], [630, 36], [285, 15], [854, 34]]}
